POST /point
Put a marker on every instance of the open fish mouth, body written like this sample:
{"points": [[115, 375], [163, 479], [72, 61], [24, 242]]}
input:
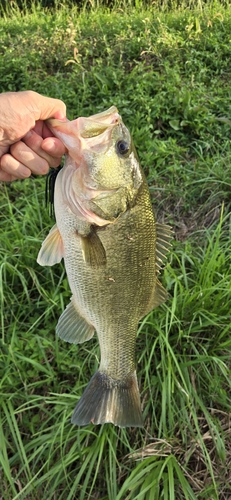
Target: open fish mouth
{"points": [[95, 125], [92, 133], [95, 132]]}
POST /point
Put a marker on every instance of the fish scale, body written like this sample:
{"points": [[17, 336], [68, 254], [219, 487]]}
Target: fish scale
{"points": [[113, 249]]}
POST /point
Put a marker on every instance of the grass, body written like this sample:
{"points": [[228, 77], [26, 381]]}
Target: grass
{"points": [[168, 73]]}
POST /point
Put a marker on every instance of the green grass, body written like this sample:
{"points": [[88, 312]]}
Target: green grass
{"points": [[168, 73]]}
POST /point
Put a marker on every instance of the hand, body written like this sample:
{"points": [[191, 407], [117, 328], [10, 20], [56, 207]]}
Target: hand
{"points": [[26, 144]]}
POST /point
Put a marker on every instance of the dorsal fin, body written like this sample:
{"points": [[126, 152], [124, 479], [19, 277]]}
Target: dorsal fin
{"points": [[164, 235]]}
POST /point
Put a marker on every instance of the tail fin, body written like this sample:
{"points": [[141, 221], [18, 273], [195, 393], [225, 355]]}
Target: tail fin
{"points": [[108, 400]]}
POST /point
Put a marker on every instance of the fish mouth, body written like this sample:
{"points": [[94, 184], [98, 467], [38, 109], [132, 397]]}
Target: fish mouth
{"points": [[95, 132], [91, 133], [95, 125]]}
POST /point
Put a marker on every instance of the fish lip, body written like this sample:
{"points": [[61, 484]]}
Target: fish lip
{"points": [[104, 116], [52, 123]]}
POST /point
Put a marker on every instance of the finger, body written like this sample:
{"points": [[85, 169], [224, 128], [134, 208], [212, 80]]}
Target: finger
{"points": [[3, 149], [54, 147], [42, 129], [5, 177], [39, 127], [36, 163], [35, 143], [12, 169]]}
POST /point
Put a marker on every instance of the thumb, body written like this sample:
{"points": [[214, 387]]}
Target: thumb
{"points": [[46, 107]]}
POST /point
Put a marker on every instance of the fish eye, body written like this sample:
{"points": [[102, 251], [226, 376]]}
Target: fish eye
{"points": [[122, 147]]}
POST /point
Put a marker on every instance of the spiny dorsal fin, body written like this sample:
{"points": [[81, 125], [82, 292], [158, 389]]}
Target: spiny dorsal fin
{"points": [[164, 235]]}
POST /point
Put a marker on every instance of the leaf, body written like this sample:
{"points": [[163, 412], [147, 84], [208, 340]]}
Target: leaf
{"points": [[175, 124]]}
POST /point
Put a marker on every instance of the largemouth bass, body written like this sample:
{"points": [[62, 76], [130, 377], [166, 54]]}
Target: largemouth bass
{"points": [[113, 249]]}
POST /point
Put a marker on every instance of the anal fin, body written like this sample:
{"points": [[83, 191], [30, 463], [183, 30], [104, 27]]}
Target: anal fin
{"points": [[108, 400], [72, 327]]}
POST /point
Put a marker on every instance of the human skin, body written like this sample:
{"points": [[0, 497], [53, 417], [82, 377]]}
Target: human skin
{"points": [[27, 146]]}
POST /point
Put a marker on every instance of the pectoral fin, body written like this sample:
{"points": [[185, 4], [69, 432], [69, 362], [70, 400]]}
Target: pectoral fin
{"points": [[72, 327], [93, 250], [52, 249]]}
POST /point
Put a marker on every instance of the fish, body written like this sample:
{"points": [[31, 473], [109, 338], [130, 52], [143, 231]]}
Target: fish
{"points": [[113, 250]]}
